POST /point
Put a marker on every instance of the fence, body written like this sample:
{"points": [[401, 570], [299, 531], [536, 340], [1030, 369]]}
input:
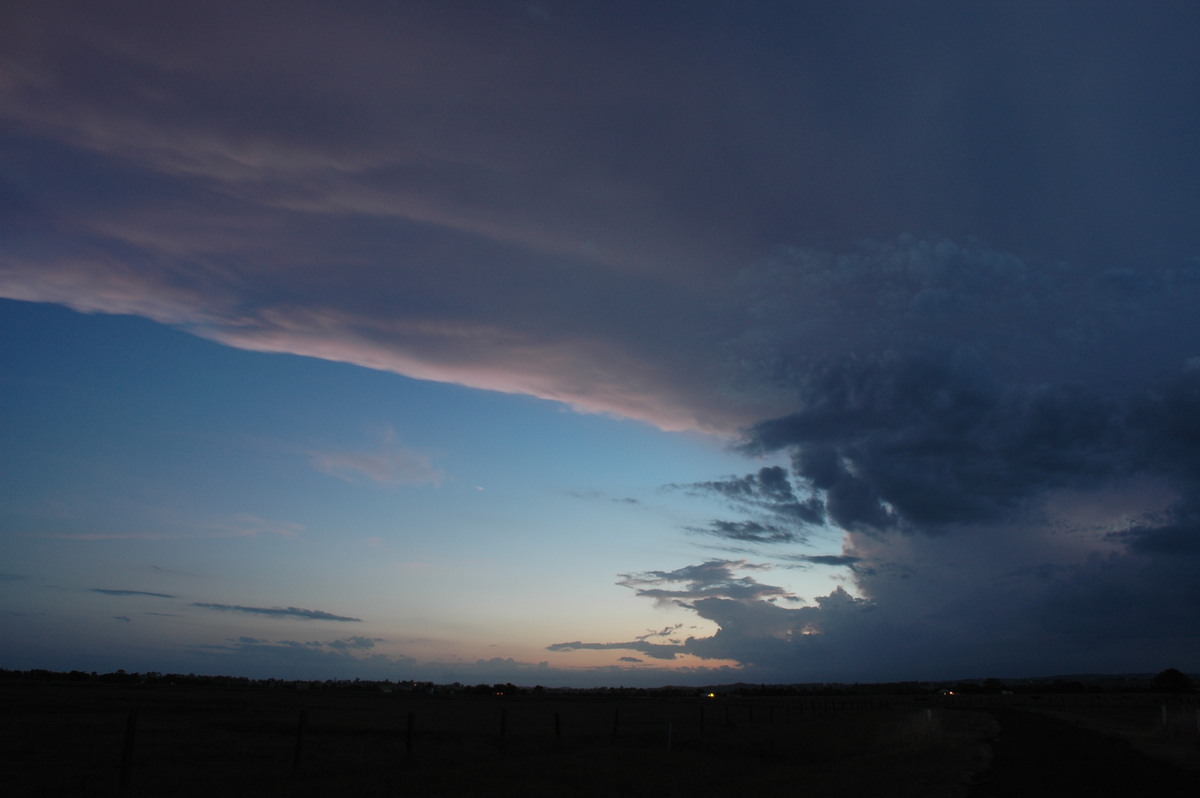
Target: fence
{"points": [[163, 740]]}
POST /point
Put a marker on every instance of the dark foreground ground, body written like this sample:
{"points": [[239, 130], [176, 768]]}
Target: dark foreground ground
{"points": [[1034, 754], [164, 740]]}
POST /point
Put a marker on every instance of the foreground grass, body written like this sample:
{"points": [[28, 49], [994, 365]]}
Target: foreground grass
{"points": [[1170, 734], [70, 739], [862, 752]]}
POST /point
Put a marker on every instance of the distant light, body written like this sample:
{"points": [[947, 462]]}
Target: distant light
{"points": [[712, 695]]}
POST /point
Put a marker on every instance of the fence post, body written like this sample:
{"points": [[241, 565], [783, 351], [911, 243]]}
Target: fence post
{"points": [[670, 729], [127, 748], [300, 724], [557, 729], [408, 734], [616, 724]]}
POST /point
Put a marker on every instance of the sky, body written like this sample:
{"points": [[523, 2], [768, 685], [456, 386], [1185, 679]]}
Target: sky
{"points": [[593, 343]]}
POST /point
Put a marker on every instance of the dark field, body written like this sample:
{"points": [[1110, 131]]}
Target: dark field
{"points": [[61, 738], [72, 738]]}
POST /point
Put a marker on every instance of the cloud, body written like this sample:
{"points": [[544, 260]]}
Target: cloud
{"points": [[244, 525], [389, 466], [285, 612], [653, 650], [768, 491], [824, 559], [781, 516], [356, 643], [724, 258], [351, 659], [1001, 442], [129, 593], [666, 631], [748, 532], [706, 580], [932, 439], [374, 216], [753, 629], [237, 526], [294, 660]]}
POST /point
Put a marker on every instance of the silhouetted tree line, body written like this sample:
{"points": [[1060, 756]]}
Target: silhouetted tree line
{"points": [[1171, 681]]}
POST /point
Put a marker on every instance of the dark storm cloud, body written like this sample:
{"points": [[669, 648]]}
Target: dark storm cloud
{"points": [[129, 593], [283, 612], [181, 161], [1009, 446], [954, 384], [930, 440]]}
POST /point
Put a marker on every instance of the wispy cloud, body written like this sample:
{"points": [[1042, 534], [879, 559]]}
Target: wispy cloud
{"points": [[749, 532], [390, 465], [109, 592], [237, 526], [715, 578], [249, 526], [823, 559], [279, 612], [780, 515]]}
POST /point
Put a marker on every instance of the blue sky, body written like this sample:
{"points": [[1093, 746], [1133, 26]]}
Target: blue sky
{"points": [[582, 343]]}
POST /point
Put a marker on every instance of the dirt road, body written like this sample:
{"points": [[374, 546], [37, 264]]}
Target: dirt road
{"points": [[1035, 754]]}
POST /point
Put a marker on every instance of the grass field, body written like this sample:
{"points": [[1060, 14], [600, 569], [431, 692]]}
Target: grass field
{"points": [[72, 739], [1168, 731]]}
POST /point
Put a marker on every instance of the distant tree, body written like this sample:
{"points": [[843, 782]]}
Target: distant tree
{"points": [[1172, 680], [1063, 686]]}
